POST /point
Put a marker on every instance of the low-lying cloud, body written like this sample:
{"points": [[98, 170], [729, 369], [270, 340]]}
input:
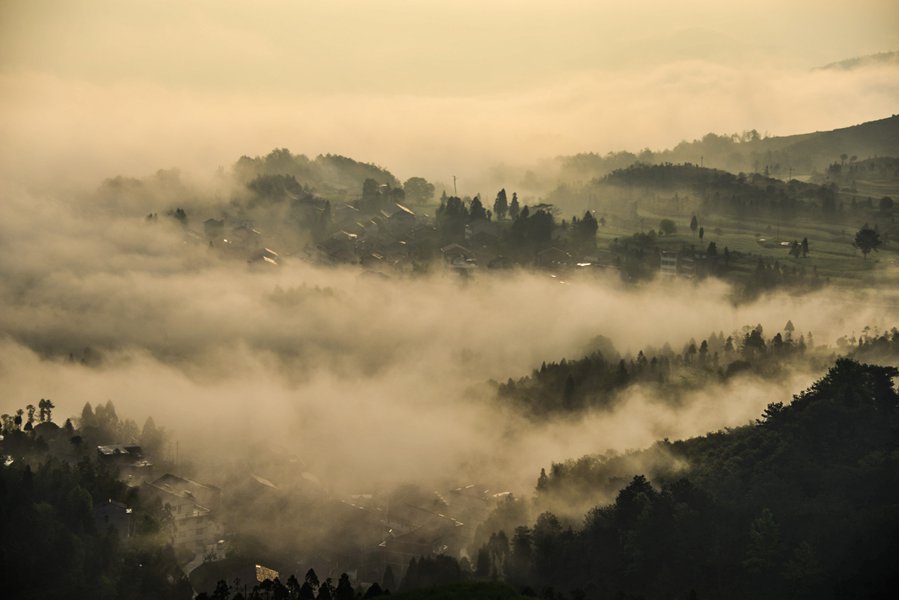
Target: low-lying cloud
{"points": [[368, 380]]}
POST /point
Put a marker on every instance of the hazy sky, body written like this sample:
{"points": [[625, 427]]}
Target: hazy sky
{"points": [[93, 88]]}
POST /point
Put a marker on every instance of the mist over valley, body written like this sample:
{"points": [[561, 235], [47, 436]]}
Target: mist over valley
{"points": [[296, 302]]}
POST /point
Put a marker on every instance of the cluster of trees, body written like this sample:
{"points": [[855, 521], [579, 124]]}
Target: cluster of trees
{"points": [[722, 192], [849, 170], [872, 345], [379, 196], [418, 190], [594, 380], [20, 422], [638, 257], [52, 545], [771, 274], [310, 589], [801, 505], [454, 213], [102, 424], [798, 248], [521, 230], [283, 199], [867, 239], [27, 437], [329, 175], [726, 150]]}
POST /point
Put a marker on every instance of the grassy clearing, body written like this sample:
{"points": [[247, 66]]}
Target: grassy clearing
{"points": [[831, 253]]}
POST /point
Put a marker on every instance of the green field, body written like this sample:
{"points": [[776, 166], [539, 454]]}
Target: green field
{"points": [[830, 245]]}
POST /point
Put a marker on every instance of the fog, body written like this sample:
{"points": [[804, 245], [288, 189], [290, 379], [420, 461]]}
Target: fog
{"points": [[367, 380], [361, 382]]}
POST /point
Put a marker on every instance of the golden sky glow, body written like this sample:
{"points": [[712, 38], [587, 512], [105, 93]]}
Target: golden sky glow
{"points": [[100, 87]]}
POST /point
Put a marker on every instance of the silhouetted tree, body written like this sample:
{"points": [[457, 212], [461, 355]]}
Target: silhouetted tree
{"points": [[418, 189], [866, 240], [293, 586], [476, 210], [585, 229], [389, 580], [482, 564], [325, 590], [667, 227], [307, 591], [501, 205], [344, 589], [87, 415], [179, 215], [45, 408], [514, 208], [312, 579], [521, 556]]}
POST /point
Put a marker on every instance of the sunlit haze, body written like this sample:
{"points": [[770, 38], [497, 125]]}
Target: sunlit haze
{"points": [[508, 299], [90, 89]]}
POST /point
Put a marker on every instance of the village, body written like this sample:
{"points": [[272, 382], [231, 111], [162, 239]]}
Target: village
{"points": [[387, 238], [254, 526]]}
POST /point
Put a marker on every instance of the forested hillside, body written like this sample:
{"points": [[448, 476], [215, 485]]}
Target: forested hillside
{"points": [[594, 381], [800, 504]]}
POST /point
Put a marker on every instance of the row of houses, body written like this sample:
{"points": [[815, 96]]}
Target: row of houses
{"points": [[190, 507], [400, 240]]}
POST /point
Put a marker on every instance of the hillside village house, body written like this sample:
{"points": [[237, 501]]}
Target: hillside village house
{"points": [[193, 506]]}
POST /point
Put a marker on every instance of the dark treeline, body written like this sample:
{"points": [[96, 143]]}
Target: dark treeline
{"points": [[571, 386], [849, 171], [311, 588], [54, 495], [722, 192], [799, 505], [516, 230], [689, 188], [53, 546], [439, 577]]}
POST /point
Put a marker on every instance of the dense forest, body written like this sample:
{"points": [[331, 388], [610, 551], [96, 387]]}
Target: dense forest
{"points": [[594, 381], [55, 544], [801, 504]]}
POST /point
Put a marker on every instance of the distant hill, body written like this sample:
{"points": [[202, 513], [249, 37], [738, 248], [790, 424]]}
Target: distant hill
{"points": [[863, 61], [749, 152], [329, 175], [818, 150], [702, 190]]}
